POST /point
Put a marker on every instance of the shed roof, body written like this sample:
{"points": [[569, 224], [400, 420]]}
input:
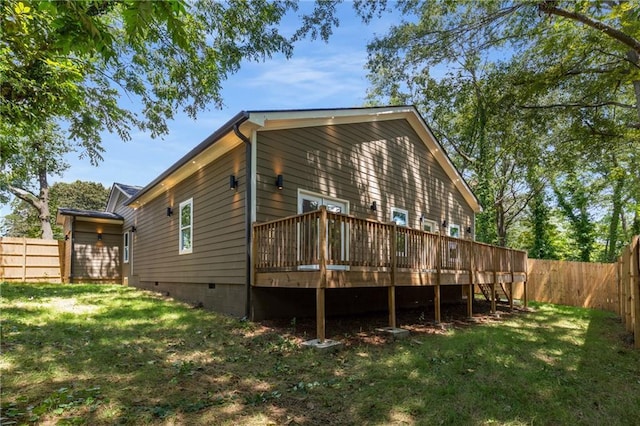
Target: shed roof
{"points": [[89, 215]]}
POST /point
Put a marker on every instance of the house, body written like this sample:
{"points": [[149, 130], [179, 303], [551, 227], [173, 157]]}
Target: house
{"points": [[237, 224], [94, 240]]}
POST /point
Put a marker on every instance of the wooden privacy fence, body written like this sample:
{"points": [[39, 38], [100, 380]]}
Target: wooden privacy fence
{"points": [[30, 259], [629, 288], [587, 285]]}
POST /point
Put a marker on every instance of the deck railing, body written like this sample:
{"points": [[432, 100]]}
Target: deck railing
{"points": [[344, 250], [293, 244]]}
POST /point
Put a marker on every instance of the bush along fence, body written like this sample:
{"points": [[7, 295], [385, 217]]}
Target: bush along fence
{"points": [[30, 259], [629, 288]]}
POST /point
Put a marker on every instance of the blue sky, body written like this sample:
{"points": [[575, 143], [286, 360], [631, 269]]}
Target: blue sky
{"points": [[319, 75]]}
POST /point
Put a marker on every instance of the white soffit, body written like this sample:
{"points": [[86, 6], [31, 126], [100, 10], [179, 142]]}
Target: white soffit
{"points": [[217, 148]]}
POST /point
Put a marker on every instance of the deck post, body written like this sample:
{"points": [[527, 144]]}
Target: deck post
{"points": [[436, 290], [494, 253], [472, 267], [320, 290], [392, 287], [513, 275]]}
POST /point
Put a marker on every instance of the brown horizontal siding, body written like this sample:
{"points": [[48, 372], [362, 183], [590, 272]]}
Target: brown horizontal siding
{"points": [[95, 259], [385, 162], [219, 248]]}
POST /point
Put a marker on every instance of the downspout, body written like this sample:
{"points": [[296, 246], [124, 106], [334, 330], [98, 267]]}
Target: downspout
{"points": [[247, 215]]}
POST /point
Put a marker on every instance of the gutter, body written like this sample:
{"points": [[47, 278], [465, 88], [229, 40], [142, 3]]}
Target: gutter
{"points": [[247, 214]]}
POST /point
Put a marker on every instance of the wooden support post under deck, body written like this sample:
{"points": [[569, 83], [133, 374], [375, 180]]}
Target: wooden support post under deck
{"points": [[320, 308], [392, 288], [494, 252], [470, 295], [511, 294], [436, 290]]}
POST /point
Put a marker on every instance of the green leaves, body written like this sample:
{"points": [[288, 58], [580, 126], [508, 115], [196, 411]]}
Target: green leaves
{"points": [[514, 87]]}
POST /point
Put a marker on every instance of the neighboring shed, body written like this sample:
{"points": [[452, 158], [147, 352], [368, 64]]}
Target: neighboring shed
{"points": [[92, 246]]}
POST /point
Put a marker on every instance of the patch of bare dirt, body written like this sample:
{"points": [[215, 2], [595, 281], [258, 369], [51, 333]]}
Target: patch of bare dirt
{"points": [[363, 328]]}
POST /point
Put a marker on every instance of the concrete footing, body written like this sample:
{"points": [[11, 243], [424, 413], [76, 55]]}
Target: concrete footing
{"points": [[325, 346], [394, 333]]}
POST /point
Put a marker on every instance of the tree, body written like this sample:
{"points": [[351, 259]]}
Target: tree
{"points": [[32, 153], [70, 62], [574, 75], [23, 220]]}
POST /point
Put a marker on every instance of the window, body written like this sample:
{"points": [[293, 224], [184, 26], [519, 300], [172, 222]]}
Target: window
{"points": [[454, 260], [337, 232], [401, 218], [186, 227], [125, 247], [429, 225]]}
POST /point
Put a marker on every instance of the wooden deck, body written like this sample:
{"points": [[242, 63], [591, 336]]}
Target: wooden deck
{"points": [[325, 250]]}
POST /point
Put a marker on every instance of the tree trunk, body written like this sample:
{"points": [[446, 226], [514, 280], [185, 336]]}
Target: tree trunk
{"points": [[44, 214], [611, 254], [40, 203], [634, 58]]}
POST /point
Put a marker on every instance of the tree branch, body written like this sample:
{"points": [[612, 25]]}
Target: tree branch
{"points": [[25, 196], [578, 105], [551, 8]]}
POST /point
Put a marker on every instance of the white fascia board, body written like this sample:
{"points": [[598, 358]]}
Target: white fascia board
{"points": [[274, 120]]}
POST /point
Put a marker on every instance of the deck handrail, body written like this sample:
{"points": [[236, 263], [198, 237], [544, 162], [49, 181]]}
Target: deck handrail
{"points": [[292, 243]]}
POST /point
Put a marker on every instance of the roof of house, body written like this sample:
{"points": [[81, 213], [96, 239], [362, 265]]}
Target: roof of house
{"points": [[127, 190], [245, 123], [91, 215]]}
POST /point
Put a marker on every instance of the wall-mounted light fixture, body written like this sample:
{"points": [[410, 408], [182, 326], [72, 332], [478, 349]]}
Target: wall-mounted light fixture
{"points": [[280, 182], [169, 211], [444, 223], [373, 206], [99, 236], [66, 237], [133, 229], [233, 183], [468, 229], [422, 217]]}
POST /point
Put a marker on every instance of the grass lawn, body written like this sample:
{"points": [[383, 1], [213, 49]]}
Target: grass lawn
{"points": [[87, 354]]}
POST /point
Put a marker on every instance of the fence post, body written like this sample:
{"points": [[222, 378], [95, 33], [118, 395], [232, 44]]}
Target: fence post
{"points": [[634, 281], [24, 259], [320, 290]]}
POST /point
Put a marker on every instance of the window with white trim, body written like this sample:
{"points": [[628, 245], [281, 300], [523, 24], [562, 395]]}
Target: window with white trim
{"points": [[186, 227], [401, 218], [125, 247], [454, 231], [429, 225]]}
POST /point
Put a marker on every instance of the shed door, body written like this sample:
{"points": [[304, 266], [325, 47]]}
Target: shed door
{"points": [[308, 240]]}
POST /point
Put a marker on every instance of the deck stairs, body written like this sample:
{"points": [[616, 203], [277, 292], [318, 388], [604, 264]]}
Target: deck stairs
{"points": [[502, 294]]}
